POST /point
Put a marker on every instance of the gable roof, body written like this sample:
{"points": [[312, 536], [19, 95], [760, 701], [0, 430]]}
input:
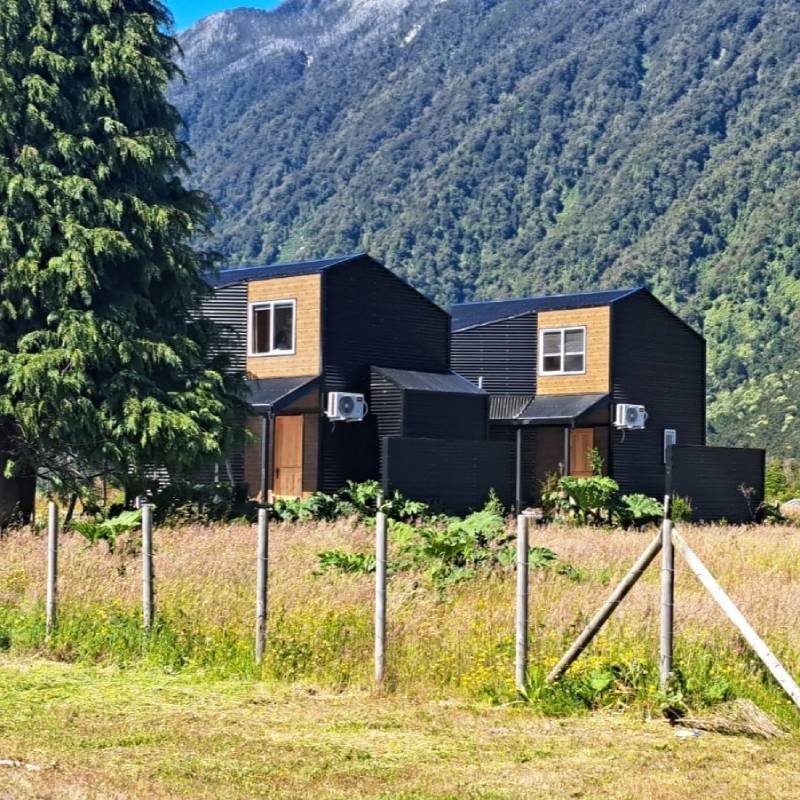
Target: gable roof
{"points": [[472, 315], [287, 269]]}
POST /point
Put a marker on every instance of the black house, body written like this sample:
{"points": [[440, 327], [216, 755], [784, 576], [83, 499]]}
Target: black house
{"points": [[304, 331], [559, 368]]}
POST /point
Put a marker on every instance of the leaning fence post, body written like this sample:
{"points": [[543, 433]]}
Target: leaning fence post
{"points": [[52, 566], [521, 665], [380, 595], [261, 583], [148, 609]]}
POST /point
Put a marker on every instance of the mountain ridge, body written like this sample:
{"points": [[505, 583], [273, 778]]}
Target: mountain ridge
{"points": [[492, 148]]}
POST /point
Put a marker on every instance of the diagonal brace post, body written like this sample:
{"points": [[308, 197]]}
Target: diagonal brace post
{"points": [[597, 622]]}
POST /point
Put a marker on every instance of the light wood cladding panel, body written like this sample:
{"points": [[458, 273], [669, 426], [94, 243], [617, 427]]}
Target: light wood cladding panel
{"points": [[596, 378], [305, 290]]}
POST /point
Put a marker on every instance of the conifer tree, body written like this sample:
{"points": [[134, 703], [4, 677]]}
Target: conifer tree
{"points": [[104, 361]]}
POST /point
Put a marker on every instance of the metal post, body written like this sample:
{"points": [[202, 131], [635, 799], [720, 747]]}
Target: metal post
{"points": [[522, 605], [518, 491], [148, 609], [52, 566], [380, 596], [599, 619], [566, 450], [261, 583], [667, 577], [264, 481]]}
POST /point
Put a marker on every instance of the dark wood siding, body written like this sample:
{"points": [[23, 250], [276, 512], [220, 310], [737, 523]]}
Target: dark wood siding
{"points": [[227, 307], [372, 317], [660, 363], [721, 482], [452, 476], [445, 416], [502, 353]]}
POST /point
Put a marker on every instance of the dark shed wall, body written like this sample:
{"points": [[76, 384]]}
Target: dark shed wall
{"points": [[452, 476], [445, 416], [659, 362], [372, 317], [530, 484], [721, 482], [502, 353]]}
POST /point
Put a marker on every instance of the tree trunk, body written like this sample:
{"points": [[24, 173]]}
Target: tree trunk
{"points": [[17, 498]]}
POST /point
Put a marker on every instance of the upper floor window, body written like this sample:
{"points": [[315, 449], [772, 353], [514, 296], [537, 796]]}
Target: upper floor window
{"points": [[271, 328], [562, 351]]}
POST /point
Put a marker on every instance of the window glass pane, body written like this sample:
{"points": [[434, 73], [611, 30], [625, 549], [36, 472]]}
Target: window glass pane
{"points": [[573, 341], [551, 364], [284, 325], [573, 363], [551, 341], [261, 325]]}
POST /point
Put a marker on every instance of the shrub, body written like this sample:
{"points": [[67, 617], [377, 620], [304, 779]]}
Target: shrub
{"points": [[637, 510], [585, 501], [186, 503], [107, 530], [681, 508]]}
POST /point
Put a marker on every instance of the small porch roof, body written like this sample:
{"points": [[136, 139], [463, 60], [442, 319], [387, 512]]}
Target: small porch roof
{"points": [[566, 409], [271, 395], [442, 382]]}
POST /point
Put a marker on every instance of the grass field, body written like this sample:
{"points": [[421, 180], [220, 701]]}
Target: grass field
{"points": [[186, 714], [106, 733]]}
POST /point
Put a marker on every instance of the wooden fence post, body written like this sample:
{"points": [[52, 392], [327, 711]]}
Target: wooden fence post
{"points": [[148, 605], [667, 577], [380, 596], [521, 665], [261, 583], [52, 567]]}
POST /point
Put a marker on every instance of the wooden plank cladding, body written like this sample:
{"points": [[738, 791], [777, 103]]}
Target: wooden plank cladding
{"points": [[306, 291], [596, 377]]}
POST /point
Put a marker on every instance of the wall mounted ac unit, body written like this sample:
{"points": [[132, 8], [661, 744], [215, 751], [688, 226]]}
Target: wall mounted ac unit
{"points": [[630, 417], [346, 407]]}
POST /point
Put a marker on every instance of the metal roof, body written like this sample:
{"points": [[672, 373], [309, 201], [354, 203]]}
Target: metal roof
{"points": [[564, 409], [449, 382], [268, 395], [471, 315], [227, 277], [561, 409]]}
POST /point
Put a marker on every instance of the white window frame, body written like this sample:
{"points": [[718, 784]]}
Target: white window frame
{"points": [[563, 331], [252, 308]]}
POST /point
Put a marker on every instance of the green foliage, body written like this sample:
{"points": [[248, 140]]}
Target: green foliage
{"points": [[184, 503], [346, 563], [585, 501], [354, 500], [104, 365], [782, 480], [107, 530], [638, 510], [681, 508]]}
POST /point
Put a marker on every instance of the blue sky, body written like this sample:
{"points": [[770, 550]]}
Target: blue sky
{"points": [[187, 12]]}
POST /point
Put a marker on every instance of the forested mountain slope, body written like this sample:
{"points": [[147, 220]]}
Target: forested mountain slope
{"points": [[487, 148]]}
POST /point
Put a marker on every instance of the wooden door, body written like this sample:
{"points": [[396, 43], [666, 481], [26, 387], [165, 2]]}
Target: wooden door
{"points": [[581, 444], [288, 455]]}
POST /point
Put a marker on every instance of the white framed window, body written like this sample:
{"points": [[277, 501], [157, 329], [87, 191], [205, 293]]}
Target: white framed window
{"points": [[271, 328], [562, 351]]}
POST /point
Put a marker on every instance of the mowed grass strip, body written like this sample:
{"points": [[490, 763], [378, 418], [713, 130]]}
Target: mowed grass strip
{"points": [[104, 733]]}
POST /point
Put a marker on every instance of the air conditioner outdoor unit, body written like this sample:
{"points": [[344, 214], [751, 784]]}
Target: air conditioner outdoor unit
{"points": [[346, 407], [630, 417]]}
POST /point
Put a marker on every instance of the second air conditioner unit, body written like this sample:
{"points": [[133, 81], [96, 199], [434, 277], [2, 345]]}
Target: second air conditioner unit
{"points": [[346, 407]]}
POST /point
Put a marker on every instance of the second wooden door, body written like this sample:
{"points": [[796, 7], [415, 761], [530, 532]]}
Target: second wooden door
{"points": [[580, 452], [288, 454]]}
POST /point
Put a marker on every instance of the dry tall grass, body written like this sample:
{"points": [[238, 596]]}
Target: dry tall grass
{"points": [[458, 642]]}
